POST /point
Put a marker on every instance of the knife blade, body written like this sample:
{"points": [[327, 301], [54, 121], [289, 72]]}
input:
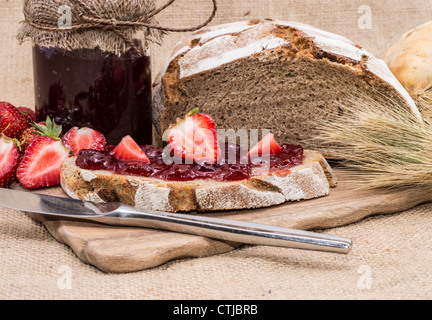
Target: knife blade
{"points": [[119, 214]]}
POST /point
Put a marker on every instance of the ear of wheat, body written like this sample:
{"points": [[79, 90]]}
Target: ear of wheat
{"points": [[423, 97], [382, 144]]}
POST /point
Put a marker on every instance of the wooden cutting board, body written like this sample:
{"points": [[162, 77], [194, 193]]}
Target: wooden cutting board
{"points": [[119, 249]]}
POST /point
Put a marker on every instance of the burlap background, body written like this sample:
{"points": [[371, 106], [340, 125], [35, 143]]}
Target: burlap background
{"points": [[392, 254]]}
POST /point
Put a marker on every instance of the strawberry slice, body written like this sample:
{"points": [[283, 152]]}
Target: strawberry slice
{"points": [[194, 138], [10, 157], [12, 121], [129, 150], [266, 146], [77, 139], [41, 164]]}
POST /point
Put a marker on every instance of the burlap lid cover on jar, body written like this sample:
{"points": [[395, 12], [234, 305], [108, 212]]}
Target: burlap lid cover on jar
{"points": [[107, 24]]}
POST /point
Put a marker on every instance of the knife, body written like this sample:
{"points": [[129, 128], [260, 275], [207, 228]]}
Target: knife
{"points": [[119, 214]]}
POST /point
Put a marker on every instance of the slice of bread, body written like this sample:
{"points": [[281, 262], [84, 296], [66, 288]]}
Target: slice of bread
{"points": [[312, 179], [278, 75]]}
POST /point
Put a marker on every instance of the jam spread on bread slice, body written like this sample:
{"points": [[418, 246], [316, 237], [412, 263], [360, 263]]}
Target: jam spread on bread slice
{"points": [[235, 170], [193, 152]]}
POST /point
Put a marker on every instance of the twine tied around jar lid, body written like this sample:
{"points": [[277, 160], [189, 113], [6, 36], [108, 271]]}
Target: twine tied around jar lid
{"points": [[92, 20]]}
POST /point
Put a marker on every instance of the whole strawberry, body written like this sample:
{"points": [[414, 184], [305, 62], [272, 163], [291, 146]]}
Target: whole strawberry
{"points": [[12, 121], [28, 113], [46, 128], [27, 137], [9, 160]]}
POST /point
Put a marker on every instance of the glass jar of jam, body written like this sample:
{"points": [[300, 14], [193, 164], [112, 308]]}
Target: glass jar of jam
{"points": [[92, 63], [103, 90]]}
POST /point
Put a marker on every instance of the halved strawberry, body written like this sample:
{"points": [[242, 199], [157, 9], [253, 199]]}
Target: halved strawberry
{"points": [[77, 139], [128, 149], [41, 164], [9, 160], [194, 138], [12, 121], [266, 146]]}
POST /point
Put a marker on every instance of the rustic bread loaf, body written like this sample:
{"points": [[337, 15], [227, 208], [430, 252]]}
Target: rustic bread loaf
{"points": [[410, 60], [312, 179], [276, 75]]}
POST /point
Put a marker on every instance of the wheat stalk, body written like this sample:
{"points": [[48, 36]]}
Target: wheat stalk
{"points": [[384, 144], [423, 99]]}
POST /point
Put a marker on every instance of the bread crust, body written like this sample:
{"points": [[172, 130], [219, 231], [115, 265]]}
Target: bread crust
{"points": [[312, 179], [214, 48]]}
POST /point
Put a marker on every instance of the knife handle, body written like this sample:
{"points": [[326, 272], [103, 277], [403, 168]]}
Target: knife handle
{"points": [[226, 229]]}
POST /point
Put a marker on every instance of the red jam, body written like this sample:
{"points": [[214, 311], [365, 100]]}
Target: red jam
{"points": [[236, 170], [96, 89]]}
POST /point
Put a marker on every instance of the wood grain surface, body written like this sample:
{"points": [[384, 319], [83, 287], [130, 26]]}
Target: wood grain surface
{"points": [[119, 249]]}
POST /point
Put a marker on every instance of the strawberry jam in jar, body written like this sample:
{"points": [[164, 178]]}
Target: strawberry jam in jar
{"points": [[108, 92], [91, 62]]}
